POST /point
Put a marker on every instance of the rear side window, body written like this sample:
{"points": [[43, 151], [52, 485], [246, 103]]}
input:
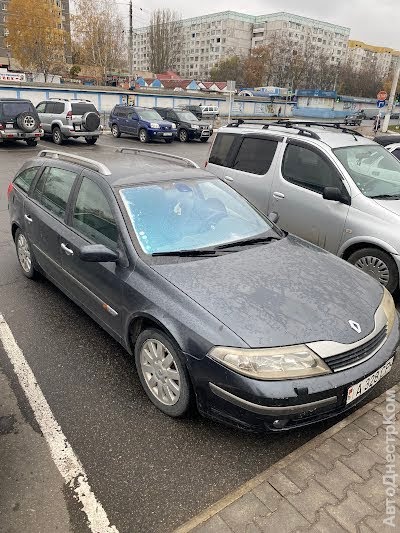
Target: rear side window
{"points": [[58, 108], [10, 110], [93, 216], [221, 149], [53, 189], [82, 108], [255, 155], [25, 178]]}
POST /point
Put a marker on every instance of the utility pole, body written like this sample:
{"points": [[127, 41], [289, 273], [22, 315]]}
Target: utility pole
{"points": [[391, 97], [130, 45]]}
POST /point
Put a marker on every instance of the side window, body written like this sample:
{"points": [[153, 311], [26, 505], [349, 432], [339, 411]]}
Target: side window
{"points": [[93, 216], [50, 107], [53, 189], [133, 116], [58, 108], [41, 107], [255, 155], [221, 149], [25, 178], [396, 153], [309, 169]]}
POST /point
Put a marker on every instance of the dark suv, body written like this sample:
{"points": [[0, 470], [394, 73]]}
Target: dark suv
{"points": [[19, 121], [142, 122], [188, 125]]}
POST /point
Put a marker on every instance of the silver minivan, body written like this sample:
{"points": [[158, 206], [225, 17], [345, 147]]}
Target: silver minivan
{"points": [[327, 184]]}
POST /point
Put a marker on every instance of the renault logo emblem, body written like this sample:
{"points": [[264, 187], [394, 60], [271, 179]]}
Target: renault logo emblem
{"points": [[355, 325]]}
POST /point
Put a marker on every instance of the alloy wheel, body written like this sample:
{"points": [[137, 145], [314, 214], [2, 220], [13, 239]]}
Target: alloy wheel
{"points": [[24, 253]]}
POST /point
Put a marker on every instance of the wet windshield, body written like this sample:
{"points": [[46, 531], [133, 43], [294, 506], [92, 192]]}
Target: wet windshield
{"points": [[375, 171], [191, 215], [150, 114]]}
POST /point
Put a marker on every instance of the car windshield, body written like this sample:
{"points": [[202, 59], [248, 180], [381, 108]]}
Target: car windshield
{"points": [[374, 170], [149, 114], [13, 109], [190, 215], [187, 116]]}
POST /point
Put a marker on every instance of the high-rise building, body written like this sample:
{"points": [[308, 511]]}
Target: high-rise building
{"points": [[209, 38], [6, 59], [362, 55]]}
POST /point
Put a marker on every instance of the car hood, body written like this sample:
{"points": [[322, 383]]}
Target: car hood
{"points": [[281, 293], [162, 123], [390, 205]]}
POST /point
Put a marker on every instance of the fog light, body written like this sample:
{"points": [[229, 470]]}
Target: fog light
{"points": [[280, 424]]}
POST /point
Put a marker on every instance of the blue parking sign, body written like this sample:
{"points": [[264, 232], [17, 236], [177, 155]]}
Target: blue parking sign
{"points": [[380, 103]]}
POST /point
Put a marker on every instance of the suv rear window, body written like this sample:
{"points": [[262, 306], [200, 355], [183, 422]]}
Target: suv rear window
{"points": [[10, 110], [81, 109], [221, 149]]}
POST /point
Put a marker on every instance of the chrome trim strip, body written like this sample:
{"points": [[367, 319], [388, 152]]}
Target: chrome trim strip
{"points": [[266, 410], [105, 306]]}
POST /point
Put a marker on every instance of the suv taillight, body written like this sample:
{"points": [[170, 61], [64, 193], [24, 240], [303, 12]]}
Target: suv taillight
{"points": [[10, 188], [1, 126], [69, 115]]}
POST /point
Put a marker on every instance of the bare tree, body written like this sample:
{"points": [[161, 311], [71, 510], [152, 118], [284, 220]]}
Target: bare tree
{"points": [[165, 39]]}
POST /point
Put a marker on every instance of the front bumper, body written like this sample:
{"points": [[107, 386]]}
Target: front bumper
{"points": [[18, 134], [161, 134], [69, 131], [261, 406], [200, 134]]}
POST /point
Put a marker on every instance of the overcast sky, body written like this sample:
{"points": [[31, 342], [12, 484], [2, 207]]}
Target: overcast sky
{"points": [[373, 21]]}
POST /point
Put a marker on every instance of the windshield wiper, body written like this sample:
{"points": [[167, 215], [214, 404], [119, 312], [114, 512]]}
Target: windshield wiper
{"points": [[185, 253], [249, 242], [386, 197]]}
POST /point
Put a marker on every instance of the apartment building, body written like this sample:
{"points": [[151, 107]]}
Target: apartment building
{"points": [[209, 38], [6, 59], [363, 55]]}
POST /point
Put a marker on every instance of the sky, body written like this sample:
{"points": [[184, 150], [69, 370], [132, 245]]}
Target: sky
{"points": [[373, 21]]}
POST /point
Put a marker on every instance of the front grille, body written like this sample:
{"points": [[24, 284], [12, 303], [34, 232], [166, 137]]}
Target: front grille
{"points": [[166, 127], [356, 355]]}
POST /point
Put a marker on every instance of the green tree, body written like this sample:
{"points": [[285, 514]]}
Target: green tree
{"points": [[230, 68]]}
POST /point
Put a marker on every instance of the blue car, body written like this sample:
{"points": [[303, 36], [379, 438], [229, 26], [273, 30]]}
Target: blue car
{"points": [[141, 122]]}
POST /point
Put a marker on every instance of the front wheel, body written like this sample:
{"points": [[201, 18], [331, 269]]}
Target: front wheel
{"points": [[25, 255], [31, 142], [162, 372], [183, 136], [91, 140], [143, 136], [378, 264]]}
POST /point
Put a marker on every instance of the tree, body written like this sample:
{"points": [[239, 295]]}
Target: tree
{"points": [[165, 39], [255, 66], [230, 68], [98, 36], [35, 37]]}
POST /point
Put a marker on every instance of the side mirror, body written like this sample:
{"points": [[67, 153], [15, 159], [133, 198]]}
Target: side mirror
{"points": [[335, 195], [98, 253], [273, 217]]}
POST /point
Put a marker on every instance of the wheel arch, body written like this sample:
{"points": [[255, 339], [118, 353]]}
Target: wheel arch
{"points": [[142, 321], [353, 245], [14, 228]]}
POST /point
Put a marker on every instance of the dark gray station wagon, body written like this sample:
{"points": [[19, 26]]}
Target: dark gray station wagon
{"points": [[219, 307]]}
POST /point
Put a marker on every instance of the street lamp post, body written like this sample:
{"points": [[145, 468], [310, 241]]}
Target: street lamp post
{"points": [[391, 97]]}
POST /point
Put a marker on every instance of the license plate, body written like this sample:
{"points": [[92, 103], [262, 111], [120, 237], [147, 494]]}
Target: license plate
{"points": [[366, 384], [9, 126], [205, 134], [167, 134]]}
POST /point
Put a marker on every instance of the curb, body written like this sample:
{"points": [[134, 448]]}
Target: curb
{"points": [[283, 463]]}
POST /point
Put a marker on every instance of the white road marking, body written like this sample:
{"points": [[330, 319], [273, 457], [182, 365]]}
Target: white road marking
{"points": [[61, 451]]}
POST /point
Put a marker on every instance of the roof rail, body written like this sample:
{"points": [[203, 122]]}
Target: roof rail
{"points": [[71, 158], [307, 123], [161, 155], [63, 99], [283, 124]]}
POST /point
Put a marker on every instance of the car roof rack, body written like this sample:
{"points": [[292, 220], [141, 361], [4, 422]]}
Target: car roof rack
{"points": [[62, 99], [161, 155], [309, 123], [72, 158], [265, 126]]}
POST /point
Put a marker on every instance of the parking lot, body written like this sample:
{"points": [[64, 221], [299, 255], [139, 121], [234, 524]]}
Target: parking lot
{"points": [[150, 472]]}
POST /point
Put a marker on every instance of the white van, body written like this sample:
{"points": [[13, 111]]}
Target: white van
{"points": [[210, 110]]}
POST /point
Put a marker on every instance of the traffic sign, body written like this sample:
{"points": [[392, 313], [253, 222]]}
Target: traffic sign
{"points": [[380, 103], [382, 95]]}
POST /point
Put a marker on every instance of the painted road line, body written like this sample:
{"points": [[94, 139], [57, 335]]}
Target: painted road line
{"points": [[61, 451]]}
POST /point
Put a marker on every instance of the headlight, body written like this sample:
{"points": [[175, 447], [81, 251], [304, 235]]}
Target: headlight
{"points": [[389, 309], [194, 126], [287, 362], [154, 126], [173, 126]]}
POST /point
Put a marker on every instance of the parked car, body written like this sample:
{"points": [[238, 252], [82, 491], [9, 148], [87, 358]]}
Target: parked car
{"points": [[210, 111], [334, 188], [354, 120], [69, 119], [219, 306], [394, 149], [142, 122], [19, 121], [195, 109], [188, 126], [386, 140]]}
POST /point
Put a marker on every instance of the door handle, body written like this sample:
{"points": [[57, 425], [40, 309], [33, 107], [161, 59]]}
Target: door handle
{"points": [[28, 218], [278, 195], [67, 250], [228, 178]]}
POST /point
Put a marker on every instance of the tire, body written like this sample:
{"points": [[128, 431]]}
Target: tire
{"points": [[27, 122], [115, 131], [204, 140], [91, 140], [168, 141], [57, 136], [90, 121], [25, 255], [183, 136], [378, 264], [143, 136], [178, 401], [31, 142]]}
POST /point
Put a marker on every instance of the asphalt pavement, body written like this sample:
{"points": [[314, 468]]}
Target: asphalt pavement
{"points": [[151, 473]]}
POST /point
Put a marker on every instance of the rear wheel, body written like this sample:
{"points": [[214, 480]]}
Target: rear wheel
{"points": [[31, 142], [91, 140], [25, 255], [378, 264], [115, 131], [57, 136], [183, 136], [143, 136]]}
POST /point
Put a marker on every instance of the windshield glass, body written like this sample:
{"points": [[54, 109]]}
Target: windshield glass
{"points": [[190, 215], [187, 116], [374, 170], [150, 114]]}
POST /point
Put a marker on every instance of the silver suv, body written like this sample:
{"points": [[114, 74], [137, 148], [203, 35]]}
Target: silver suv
{"points": [[327, 184], [64, 119]]}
